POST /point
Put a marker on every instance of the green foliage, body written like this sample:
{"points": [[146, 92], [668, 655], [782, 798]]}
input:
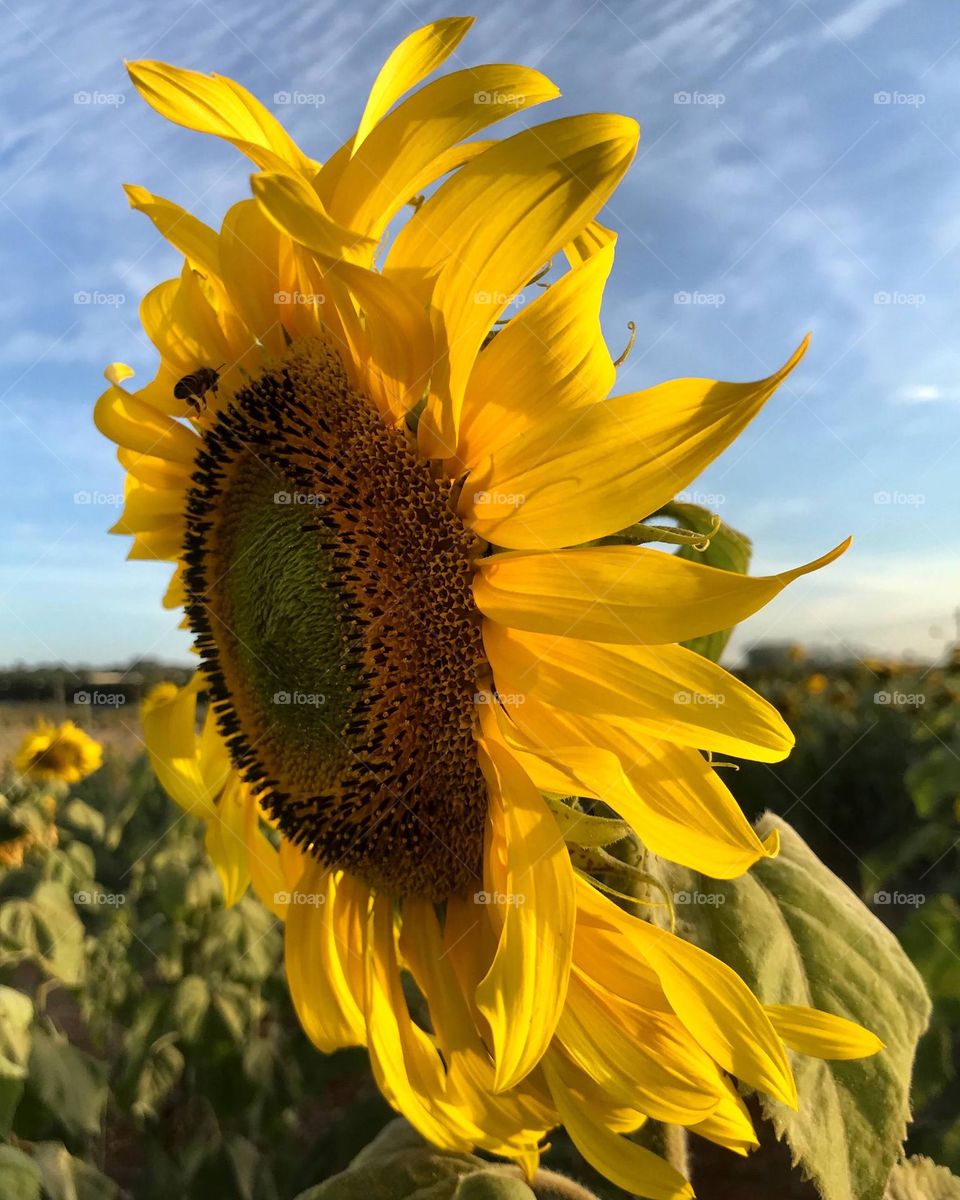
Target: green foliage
{"points": [[920, 1179], [148, 1047]]}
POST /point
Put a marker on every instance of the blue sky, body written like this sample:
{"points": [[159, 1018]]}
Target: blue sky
{"points": [[799, 170]]}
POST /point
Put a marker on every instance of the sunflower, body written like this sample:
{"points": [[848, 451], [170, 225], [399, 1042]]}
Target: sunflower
{"points": [[57, 752], [392, 516]]}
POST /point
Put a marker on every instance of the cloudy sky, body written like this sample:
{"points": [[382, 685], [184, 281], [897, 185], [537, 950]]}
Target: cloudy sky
{"points": [[799, 170]]}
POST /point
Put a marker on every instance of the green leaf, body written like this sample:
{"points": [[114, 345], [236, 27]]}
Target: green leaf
{"points": [[16, 1015], [45, 928], [158, 1077], [190, 1003], [70, 1083], [921, 1179], [69, 1178], [729, 550], [19, 1175], [798, 935]]}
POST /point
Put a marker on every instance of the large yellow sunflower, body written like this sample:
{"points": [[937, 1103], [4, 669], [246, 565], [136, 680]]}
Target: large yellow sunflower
{"points": [[390, 514], [63, 752]]}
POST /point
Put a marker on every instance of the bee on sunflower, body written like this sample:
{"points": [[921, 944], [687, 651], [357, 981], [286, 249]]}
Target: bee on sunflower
{"points": [[392, 536]]}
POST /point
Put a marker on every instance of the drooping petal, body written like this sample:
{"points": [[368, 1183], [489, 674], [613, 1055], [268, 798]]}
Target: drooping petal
{"points": [[630, 455], [688, 698], [627, 594], [632, 1167], [294, 207], [323, 951], [713, 1002], [405, 1061], [522, 994], [821, 1034], [226, 841], [729, 1124], [669, 794]]}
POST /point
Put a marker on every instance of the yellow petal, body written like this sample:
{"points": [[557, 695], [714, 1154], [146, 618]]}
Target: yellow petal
{"points": [[522, 994], [550, 358], [729, 1124], [226, 841], [627, 594], [138, 426], [571, 481], [714, 1004], [416, 57], [252, 261], [196, 241], [644, 1059], [294, 207], [624, 1163], [507, 211], [324, 933], [670, 795], [190, 778], [266, 873], [821, 1034], [398, 156], [405, 1063], [389, 340], [216, 105], [688, 699]]}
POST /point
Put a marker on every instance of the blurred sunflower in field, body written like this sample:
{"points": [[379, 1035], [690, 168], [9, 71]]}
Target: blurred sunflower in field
{"points": [[57, 752], [390, 515]]}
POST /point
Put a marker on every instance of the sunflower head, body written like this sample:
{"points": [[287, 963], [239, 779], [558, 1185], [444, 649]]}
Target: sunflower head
{"points": [[397, 522], [57, 752]]}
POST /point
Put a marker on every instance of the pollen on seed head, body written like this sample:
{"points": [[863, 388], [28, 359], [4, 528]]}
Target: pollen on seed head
{"points": [[329, 591]]}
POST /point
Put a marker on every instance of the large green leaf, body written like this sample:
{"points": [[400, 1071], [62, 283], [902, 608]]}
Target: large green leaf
{"points": [[798, 935], [728, 550], [69, 1178], [70, 1083], [399, 1165]]}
